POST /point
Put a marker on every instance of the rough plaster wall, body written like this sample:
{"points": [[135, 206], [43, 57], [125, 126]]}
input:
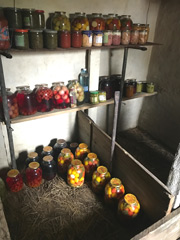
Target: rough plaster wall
{"points": [[160, 115]]}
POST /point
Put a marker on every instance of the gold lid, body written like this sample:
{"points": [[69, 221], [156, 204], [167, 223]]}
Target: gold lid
{"points": [[76, 162], [83, 145], [65, 151], [48, 158], [12, 173], [34, 165], [92, 156], [102, 170], [115, 182], [32, 155], [130, 199], [47, 149]]}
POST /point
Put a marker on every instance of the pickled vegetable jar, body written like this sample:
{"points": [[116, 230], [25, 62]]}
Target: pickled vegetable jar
{"points": [[14, 17], [79, 90], [58, 146], [61, 98], [28, 18], [125, 37], [143, 34], [150, 87], [32, 157], [128, 207], [50, 39], [76, 173], [94, 97], [76, 39], [44, 97], [91, 162], [113, 22], [106, 85], [26, 100], [107, 38], [14, 180], [61, 22], [116, 37], [48, 150], [97, 38], [114, 191], [97, 22], [135, 33], [33, 175], [82, 151], [139, 87], [48, 166], [80, 22], [21, 39], [36, 39], [87, 38], [39, 19], [126, 22], [102, 96], [4, 32], [65, 39], [64, 160], [133, 82], [100, 178], [129, 90]]}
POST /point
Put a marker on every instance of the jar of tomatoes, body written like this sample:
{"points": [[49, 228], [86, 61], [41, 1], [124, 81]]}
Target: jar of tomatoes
{"points": [[48, 166], [47, 151], [76, 39], [61, 98], [100, 178], [80, 22], [97, 22], [14, 180], [91, 162], [58, 146], [76, 87], [76, 173], [126, 22], [44, 97], [65, 39], [32, 157], [4, 32], [64, 160], [33, 175], [113, 22], [26, 100], [82, 151], [60, 22]]}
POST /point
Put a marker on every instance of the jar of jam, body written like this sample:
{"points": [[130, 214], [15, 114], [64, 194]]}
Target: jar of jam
{"points": [[87, 38], [126, 22], [50, 39], [14, 17], [64, 160], [21, 39], [116, 37], [113, 22], [48, 166], [107, 38], [65, 39], [33, 175], [97, 38], [133, 83], [94, 97], [32, 157], [91, 162], [129, 90], [44, 97], [139, 87], [58, 146], [36, 39], [26, 100], [80, 22], [60, 22], [61, 98], [106, 85], [28, 18], [114, 191], [73, 147], [76, 39], [79, 90], [143, 33], [14, 180], [102, 96], [76, 174], [100, 178], [125, 37], [4, 33], [135, 33], [47, 151], [39, 19], [82, 151], [128, 207], [150, 87], [97, 22]]}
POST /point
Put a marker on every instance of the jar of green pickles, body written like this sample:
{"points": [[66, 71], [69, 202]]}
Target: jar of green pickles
{"points": [[60, 22], [39, 19], [21, 39], [150, 87], [28, 17], [94, 97], [36, 39], [139, 86], [50, 39]]}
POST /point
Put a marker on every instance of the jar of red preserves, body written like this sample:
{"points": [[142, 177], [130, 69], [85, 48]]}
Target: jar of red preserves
{"points": [[64, 160], [61, 98], [100, 178], [97, 22], [48, 166], [126, 22], [4, 32], [44, 97], [33, 175], [80, 22], [14, 180], [82, 151], [113, 22], [91, 162], [32, 157], [76, 39], [65, 39], [76, 174], [26, 100]]}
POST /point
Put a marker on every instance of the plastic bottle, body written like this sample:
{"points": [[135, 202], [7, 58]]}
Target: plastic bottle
{"points": [[84, 81]]}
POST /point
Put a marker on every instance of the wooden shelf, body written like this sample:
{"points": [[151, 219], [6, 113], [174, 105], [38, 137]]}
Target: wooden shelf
{"points": [[139, 95]]}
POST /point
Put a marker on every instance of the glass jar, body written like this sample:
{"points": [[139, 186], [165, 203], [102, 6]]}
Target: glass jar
{"points": [[33, 175], [44, 97], [83, 78], [32, 157], [76, 173], [102, 96], [80, 22], [107, 38], [50, 39], [4, 32], [129, 90], [36, 39], [147, 29], [58, 146], [94, 97], [135, 33], [14, 17], [116, 37], [28, 18], [125, 37], [48, 166], [73, 99], [39, 19], [87, 38], [139, 87], [128, 207], [61, 98], [73, 147], [144, 33], [150, 87], [106, 85], [116, 80], [97, 38], [60, 22], [47, 151], [65, 39], [113, 22], [133, 83], [144, 86], [114, 191], [126, 22], [91, 162], [14, 180], [97, 22], [82, 151], [76, 39], [79, 90], [26, 101], [21, 39], [64, 160], [100, 178]]}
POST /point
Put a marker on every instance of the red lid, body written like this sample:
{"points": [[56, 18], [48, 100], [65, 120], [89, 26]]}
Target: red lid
{"points": [[39, 11], [21, 30]]}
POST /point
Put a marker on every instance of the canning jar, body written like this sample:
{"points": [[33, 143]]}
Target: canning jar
{"points": [[61, 98], [36, 39], [125, 37], [116, 37], [128, 207], [150, 87], [73, 99], [113, 22], [87, 38], [65, 39], [4, 32], [73, 147], [33, 175], [60, 22], [80, 22], [82, 151], [100, 178], [114, 191], [47, 151], [76, 173], [58, 146], [39, 19], [44, 97], [142, 34], [14, 17], [64, 160], [32, 157], [97, 38], [26, 100], [91, 162], [102, 96], [96, 22], [144, 86], [48, 166], [126, 22], [107, 38], [21, 39], [129, 90], [135, 33], [139, 87], [133, 82], [94, 97], [116, 82], [14, 180], [28, 18], [76, 39], [78, 89], [50, 39], [106, 85]]}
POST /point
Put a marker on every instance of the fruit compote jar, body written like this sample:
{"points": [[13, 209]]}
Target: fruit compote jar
{"points": [[80, 22], [97, 22], [113, 22], [64, 160], [126, 22], [32, 157], [48, 166], [82, 151], [14, 180], [100, 178], [91, 162], [76, 173], [61, 98], [58, 146], [48, 150], [33, 175], [26, 100], [44, 97]]}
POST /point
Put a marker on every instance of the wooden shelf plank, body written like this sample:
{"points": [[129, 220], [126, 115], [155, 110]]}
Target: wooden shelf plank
{"points": [[139, 95]]}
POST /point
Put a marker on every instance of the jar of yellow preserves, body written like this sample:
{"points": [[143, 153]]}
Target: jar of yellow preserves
{"points": [[80, 22], [100, 178], [76, 173]]}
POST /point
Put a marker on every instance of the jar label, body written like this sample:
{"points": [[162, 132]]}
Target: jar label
{"points": [[26, 21], [98, 39], [90, 39], [105, 38], [85, 88], [19, 41], [4, 34], [102, 98]]}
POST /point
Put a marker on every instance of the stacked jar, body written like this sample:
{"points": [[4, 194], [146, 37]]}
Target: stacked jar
{"points": [[61, 97], [97, 22], [44, 97], [126, 27]]}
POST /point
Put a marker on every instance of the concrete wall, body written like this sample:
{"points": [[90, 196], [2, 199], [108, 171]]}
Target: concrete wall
{"points": [[160, 115]]}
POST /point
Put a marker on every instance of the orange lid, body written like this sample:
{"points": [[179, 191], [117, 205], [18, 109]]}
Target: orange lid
{"points": [[12, 173], [48, 158], [65, 150], [76, 162], [92, 156], [21, 30], [115, 182], [34, 165], [83, 145], [130, 199], [102, 170], [32, 154], [47, 149]]}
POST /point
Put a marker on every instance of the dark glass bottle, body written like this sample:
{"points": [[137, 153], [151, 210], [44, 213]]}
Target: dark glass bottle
{"points": [[58, 146], [48, 166], [84, 81], [32, 157], [48, 150]]}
